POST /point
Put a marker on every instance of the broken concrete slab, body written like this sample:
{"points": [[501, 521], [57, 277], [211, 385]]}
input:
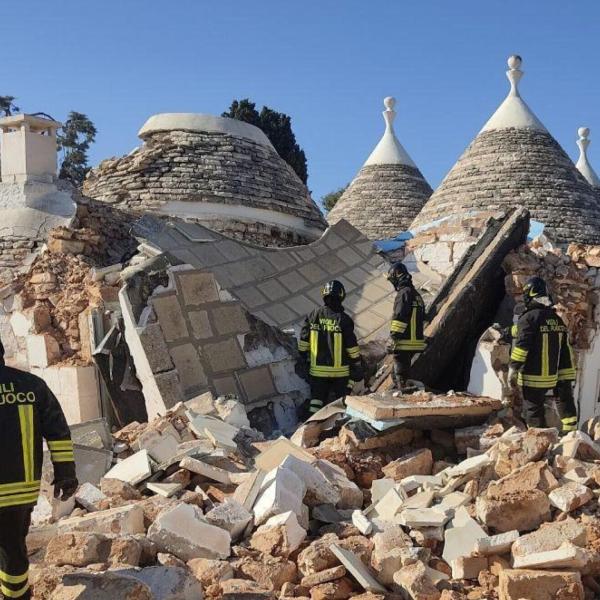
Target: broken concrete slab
{"points": [[424, 517], [496, 544], [89, 496], [247, 492], [468, 567], [166, 490], [358, 569], [380, 487], [276, 453], [389, 506], [461, 536], [470, 465], [161, 445], [183, 531], [550, 536], [416, 583], [350, 494], [361, 522], [567, 556], [318, 488], [210, 471], [418, 462], [231, 516], [531, 476], [133, 469], [279, 536], [128, 519], [99, 586], [282, 491]]}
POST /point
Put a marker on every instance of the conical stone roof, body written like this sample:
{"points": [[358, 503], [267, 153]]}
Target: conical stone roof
{"points": [[514, 161], [388, 191]]}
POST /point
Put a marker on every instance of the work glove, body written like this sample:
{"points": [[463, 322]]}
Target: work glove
{"points": [[65, 488]]}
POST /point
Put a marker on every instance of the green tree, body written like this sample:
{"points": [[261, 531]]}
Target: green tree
{"points": [[8, 106], [74, 140], [277, 127], [330, 200]]}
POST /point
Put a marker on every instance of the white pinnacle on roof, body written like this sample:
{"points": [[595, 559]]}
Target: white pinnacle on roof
{"points": [[389, 150], [583, 165], [514, 112]]}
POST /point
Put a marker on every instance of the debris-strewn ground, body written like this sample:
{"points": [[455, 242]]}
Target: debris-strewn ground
{"points": [[199, 505]]}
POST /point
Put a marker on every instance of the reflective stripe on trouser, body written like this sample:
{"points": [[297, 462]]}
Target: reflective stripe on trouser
{"points": [[315, 405], [569, 424], [14, 563]]}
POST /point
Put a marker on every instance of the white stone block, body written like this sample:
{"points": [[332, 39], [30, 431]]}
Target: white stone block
{"points": [[361, 522], [183, 531], [42, 350], [161, 446], [89, 496], [567, 556], [231, 516], [318, 489], [166, 490], [470, 465], [133, 469], [496, 544], [281, 491], [128, 519]]}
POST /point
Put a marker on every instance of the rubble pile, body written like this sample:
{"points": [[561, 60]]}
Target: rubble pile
{"points": [[57, 296], [573, 278], [197, 504]]}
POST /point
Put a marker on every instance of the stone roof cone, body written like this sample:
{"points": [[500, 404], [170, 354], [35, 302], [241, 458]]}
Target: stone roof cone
{"points": [[514, 161], [389, 190], [583, 164]]}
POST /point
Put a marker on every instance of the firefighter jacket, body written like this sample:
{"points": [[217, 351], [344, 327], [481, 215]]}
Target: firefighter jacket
{"points": [[29, 413], [406, 329], [541, 353], [328, 342]]}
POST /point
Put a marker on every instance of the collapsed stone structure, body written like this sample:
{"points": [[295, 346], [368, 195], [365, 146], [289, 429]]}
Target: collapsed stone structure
{"points": [[515, 161], [389, 190], [212, 170]]}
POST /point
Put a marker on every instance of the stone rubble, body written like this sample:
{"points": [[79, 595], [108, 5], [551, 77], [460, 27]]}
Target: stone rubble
{"points": [[325, 522]]}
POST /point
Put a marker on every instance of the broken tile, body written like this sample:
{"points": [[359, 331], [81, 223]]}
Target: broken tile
{"points": [[133, 469]]}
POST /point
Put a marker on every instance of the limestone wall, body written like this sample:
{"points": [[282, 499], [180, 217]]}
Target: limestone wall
{"points": [[175, 169], [511, 167]]}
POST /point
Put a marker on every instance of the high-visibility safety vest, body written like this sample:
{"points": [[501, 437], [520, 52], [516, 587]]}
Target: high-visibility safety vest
{"points": [[541, 350], [29, 413], [406, 328], [328, 340]]}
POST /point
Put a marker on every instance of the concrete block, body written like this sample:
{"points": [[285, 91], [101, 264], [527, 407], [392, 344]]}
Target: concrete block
{"points": [[461, 536], [496, 544], [361, 522], [169, 388], [201, 329], [470, 465], [231, 516], [415, 582], [318, 488], [250, 297], [281, 259], [89, 496], [280, 535], [570, 496], [351, 495], [424, 517], [225, 355], [567, 556], [422, 500], [232, 412], [155, 347], [166, 490], [277, 451], [418, 462], [280, 314], [300, 304], [94, 433], [133, 469], [230, 318], [520, 510], [313, 273], [124, 520], [257, 383], [161, 446], [550, 536], [468, 567], [349, 256], [170, 316], [91, 463], [380, 487], [282, 491], [197, 287], [390, 505], [167, 583], [182, 530], [42, 350], [454, 500], [189, 368]]}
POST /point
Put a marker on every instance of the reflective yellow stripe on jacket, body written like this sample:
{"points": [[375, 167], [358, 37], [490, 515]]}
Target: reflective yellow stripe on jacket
{"points": [[61, 450], [27, 433]]}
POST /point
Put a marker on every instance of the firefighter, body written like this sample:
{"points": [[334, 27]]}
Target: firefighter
{"points": [[329, 349], [406, 330], [542, 358], [29, 413]]}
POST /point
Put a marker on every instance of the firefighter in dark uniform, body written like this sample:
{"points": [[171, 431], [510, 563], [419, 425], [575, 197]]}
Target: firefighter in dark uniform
{"points": [[329, 348], [542, 358], [406, 329], [29, 413]]}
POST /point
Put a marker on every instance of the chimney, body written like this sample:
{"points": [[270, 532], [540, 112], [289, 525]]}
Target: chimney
{"points": [[28, 149]]}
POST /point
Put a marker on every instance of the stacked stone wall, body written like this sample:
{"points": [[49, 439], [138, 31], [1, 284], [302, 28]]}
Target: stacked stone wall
{"points": [[520, 167], [196, 167]]}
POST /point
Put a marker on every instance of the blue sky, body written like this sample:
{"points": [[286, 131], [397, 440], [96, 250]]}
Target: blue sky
{"points": [[327, 64]]}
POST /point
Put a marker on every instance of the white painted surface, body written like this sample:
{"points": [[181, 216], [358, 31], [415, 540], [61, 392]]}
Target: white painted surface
{"points": [[389, 151], [588, 379], [483, 380], [210, 211], [514, 112], [583, 164], [203, 123]]}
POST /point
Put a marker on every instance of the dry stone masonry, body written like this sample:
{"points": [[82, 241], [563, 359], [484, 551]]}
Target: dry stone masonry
{"points": [[229, 179]]}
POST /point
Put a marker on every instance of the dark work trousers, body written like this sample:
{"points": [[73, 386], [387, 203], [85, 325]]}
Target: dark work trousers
{"points": [[14, 564], [534, 400], [324, 390], [402, 362]]}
